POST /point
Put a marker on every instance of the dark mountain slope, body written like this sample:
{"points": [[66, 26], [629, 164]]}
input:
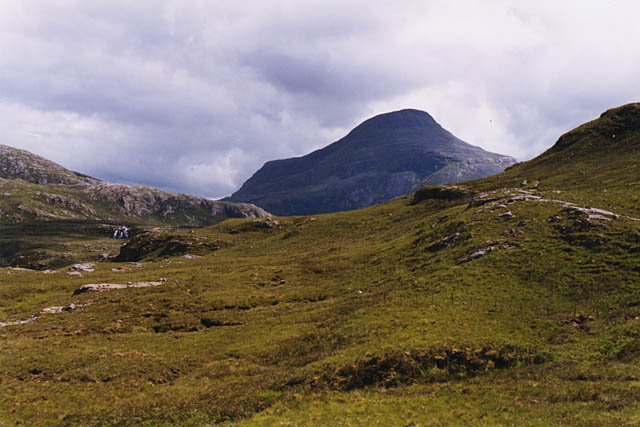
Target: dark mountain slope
{"points": [[387, 156]]}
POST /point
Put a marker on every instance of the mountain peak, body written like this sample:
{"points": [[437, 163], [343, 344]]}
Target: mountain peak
{"points": [[407, 116], [627, 110], [384, 157], [622, 119], [598, 155], [397, 120]]}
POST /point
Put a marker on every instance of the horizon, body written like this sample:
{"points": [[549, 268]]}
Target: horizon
{"points": [[194, 98], [267, 161]]}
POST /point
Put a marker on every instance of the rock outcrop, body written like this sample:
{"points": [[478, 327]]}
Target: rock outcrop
{"points": [[152, 245], [34, 189], [101, 287], [21, 164]]}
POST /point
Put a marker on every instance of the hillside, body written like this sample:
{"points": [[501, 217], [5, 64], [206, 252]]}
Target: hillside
{"points": [[29, 167], [48, 212], [34, 189], [387, 156], [599, 161], [507, 300]]}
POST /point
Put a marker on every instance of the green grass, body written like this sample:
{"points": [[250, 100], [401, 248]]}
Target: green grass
{"points": [[368, 317], [297, 303], [55, 244]]}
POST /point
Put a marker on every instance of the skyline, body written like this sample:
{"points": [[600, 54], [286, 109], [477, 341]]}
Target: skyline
{"points": [[194, 98]]}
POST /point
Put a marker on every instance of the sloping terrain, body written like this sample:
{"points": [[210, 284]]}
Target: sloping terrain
{"points": [[34, 189], [45, 208], [387, 156], [21, 164], [511, 300]]}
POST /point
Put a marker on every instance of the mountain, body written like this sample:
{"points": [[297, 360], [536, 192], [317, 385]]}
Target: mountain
{"points": [[387, 156], [34, 189], [508, 300]]}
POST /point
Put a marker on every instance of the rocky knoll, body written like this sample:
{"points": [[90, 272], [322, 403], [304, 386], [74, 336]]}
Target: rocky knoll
{"points": [[21, 164], [136, 201], [34, 189], [154, 245], [387, 156]]}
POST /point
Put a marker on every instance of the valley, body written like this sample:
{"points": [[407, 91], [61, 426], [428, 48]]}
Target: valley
{"points": [[507, 300]]}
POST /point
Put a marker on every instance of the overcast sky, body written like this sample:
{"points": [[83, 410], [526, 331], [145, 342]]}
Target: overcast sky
{"points": [[194, 96]]}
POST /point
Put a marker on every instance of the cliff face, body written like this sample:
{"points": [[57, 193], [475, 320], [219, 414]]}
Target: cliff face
{"points": [[34, 189], [387, 156]]}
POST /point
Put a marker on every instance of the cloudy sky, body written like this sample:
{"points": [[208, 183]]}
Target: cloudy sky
{"points": [[194, 96]]}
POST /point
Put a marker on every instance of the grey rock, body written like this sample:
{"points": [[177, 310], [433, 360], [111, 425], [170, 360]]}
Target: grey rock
{"points": [[48, 192], [100, 287], [18, 322], [85, 267]]}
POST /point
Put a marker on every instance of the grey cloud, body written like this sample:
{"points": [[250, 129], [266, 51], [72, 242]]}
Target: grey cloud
{"points": [[195, 96]]}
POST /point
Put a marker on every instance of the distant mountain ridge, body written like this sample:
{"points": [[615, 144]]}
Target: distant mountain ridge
{"points": [[22, 164], [34, 189], [387, 156]]}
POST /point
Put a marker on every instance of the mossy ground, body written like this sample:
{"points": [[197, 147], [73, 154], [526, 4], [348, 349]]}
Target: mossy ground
{"points": [[448, 311], [52, 245], [265, 329]]}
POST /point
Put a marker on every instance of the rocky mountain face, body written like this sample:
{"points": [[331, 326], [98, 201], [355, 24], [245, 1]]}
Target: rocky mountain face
{"points": [[387, 156], [35, 189]]}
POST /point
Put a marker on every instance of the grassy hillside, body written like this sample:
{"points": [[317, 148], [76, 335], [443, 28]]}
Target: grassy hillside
{"points": [[49, 225], [598, 161], [51, 216], [491, 302]]}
